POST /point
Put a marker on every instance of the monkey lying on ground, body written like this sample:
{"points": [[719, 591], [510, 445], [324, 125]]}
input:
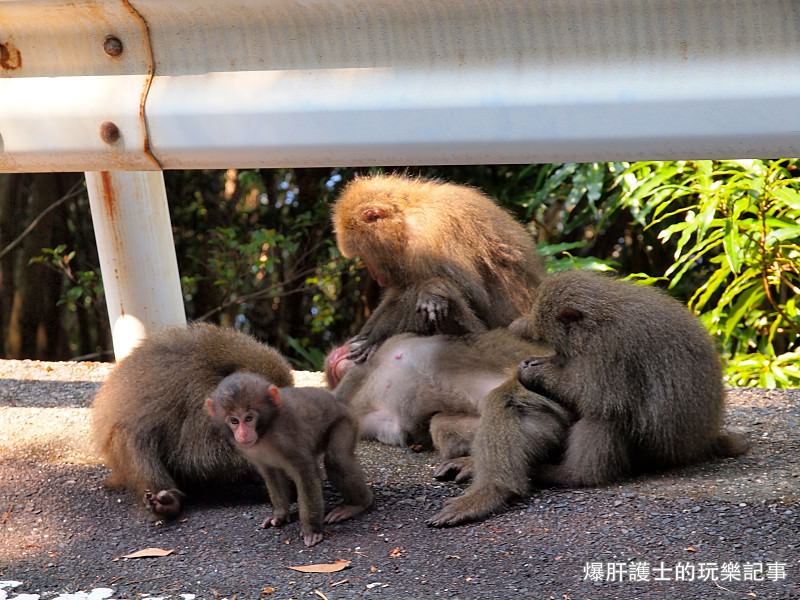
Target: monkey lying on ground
{"points": [[452, 261], [282, 433], [148, 418], [638, 370], [427, 391]]}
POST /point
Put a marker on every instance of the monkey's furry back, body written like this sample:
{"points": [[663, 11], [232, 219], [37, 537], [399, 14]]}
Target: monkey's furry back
{"points": [[636, 357], [155, 397], [444, 230]]}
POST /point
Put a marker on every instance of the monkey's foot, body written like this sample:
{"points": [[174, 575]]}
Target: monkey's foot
{"points": [[473, 505], [457, 469], [311, 538], [165, 504], [343, 512], [277, 519]]}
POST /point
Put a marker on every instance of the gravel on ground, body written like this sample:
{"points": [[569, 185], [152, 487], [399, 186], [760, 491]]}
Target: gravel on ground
{"points": [[723, 529]]}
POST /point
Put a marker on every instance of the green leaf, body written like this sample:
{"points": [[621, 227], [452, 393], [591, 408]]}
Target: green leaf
{"points": [[643, 279], [667, 233], [692, 256], [554, 249], [788, 196], [705, 291], [745, 302], [731, 245], [589, 263], [784, 233]]}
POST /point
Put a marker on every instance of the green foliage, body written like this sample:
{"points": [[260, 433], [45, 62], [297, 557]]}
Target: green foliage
{"points": [[84, 286], [724, 235], [734, 230], [256, 250]]}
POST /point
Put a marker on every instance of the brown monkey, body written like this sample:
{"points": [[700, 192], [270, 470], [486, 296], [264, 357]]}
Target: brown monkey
{"points": [[428, 390], [638, 370], [282, 433], [148, 418], [518, 429], [452, 261]]}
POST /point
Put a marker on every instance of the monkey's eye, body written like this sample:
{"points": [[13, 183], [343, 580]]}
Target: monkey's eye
{"points": [[248, 418], [233, 421]]}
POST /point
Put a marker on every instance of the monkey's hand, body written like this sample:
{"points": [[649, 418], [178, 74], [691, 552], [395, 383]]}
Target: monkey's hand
{"points": [[476, 503], [432, 308], [456, 469], [529, 373], [361, 348]]}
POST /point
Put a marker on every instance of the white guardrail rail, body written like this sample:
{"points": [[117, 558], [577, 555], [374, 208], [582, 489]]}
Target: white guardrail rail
{"points": [[125, 88], [185, 84]]}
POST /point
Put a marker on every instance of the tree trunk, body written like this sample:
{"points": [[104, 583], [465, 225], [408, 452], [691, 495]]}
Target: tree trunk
{"points": [[34, 329], [10, 195]]}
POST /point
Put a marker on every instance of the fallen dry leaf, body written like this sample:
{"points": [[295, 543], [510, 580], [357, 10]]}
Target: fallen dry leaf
{"points": [[321, 595], [149, 553], [396, 552], [336, 565], [691, 549]]}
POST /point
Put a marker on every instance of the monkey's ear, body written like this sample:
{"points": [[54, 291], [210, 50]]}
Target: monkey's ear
{"points": [[275, 395], [373, 213], [210, 407], [569, 315]]}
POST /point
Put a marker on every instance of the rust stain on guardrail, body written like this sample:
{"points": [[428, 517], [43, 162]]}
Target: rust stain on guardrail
{"points": [[10, 56], [151, 71]]}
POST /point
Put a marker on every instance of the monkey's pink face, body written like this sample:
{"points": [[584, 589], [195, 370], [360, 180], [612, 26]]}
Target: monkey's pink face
{"points": [[377, 274], [243, 426]]}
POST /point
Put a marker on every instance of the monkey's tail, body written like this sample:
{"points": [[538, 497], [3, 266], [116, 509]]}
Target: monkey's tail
{"points": [[730, 444]]}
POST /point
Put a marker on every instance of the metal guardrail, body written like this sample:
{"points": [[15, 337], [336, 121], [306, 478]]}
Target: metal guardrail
{"points": [[108, 86], [196, 84]]}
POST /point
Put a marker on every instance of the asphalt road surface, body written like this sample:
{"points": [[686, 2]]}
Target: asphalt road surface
{"points": [[724, 529]]}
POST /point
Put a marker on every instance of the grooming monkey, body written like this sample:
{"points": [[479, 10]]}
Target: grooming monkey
{"points": [[637, 369], [282, 433], [452, 261], [148, 418]]}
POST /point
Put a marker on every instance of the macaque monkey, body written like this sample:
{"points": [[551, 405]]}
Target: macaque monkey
{"points": [[149, 422], [282, 432], [452, 261], [428, 391], [639, 372]]}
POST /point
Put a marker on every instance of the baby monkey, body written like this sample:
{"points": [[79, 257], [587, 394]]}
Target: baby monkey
{"points": [[282, 432]]}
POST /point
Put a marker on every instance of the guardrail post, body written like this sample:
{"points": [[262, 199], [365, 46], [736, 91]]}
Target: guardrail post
{"points": [[137, 254]]}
